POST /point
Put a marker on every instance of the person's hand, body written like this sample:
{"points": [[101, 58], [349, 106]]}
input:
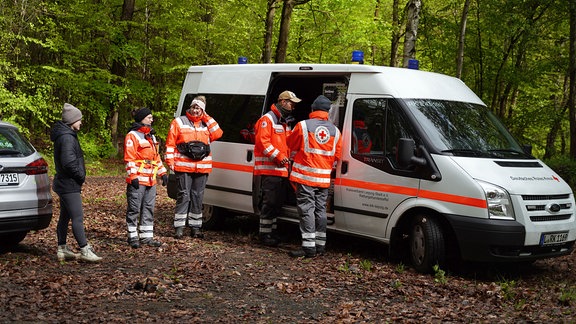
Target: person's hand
{"points": [[164, 180], [135, 183], [284, 162], [205, 118]]}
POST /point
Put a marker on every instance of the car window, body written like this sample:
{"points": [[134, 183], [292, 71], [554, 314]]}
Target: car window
{"points": [[13, 143]]}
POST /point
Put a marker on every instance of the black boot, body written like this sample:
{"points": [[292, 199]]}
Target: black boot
{"points": [[268, 240], [179, 232], [303, 252], [196, 233]]}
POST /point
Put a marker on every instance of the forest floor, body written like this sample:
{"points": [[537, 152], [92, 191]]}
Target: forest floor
{"points": [[229, 277]]}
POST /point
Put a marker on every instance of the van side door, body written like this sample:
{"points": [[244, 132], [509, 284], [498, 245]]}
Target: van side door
{"points": [[369, 182]]}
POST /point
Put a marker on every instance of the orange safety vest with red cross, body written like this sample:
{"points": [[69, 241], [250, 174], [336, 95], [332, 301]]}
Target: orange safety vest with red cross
{"points": [[317, 143]]}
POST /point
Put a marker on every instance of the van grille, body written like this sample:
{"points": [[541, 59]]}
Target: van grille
{"points": [[550, 218], [545, 197], [548, 208]]}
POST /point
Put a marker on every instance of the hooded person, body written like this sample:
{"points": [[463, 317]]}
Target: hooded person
{"points": [[188, 155], [271, 162], [316, 144], [68, 180], [143, 168]]}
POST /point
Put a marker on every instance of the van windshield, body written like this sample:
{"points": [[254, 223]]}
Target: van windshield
{"points": [[464, 129]]}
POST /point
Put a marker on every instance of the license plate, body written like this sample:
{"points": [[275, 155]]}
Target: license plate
{"points": [[553, 238], [8, 179]]}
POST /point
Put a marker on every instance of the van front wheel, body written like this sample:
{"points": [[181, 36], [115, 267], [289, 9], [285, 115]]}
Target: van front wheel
{"points": [[212, 217], [427, 245]]}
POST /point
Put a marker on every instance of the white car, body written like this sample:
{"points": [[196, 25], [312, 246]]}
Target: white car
{"points": [[25, 196]]}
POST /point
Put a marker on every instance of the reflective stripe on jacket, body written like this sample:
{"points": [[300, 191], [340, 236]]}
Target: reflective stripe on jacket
{"points": [[270, 147], [142, 158], [317, 143], [183, 130]]}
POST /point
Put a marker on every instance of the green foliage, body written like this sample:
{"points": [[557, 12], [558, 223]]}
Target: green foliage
{"points": [[508, 288], [439, 275], [566, 169], [366, 265], [567, 296], [84, 53]]}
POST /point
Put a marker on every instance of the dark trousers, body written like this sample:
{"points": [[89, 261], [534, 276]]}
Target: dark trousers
{"points": [[273, 194], [71, 209], [141, 203]]}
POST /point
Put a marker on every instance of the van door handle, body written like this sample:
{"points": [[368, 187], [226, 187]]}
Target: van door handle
{"points": [[344, 168], [249, 155]]}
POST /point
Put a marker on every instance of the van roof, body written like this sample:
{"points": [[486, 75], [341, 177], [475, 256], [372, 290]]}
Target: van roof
{"points": [[364, 80]]}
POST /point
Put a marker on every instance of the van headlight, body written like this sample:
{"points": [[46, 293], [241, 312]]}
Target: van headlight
{"points": [[499, 203]]}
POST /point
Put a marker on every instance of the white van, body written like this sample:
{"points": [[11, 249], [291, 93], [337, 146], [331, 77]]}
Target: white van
{"points": [[442, 178]]}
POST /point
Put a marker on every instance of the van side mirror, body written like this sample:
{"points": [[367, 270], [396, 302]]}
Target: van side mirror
{"points": [[405, 154]]}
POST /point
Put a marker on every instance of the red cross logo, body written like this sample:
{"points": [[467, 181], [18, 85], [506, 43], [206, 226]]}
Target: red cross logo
{"points": [[322, 135]]}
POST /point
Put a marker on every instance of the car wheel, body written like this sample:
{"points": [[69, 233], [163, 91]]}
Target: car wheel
{"points": [[427, 245], [212, 217], [11, 239]]}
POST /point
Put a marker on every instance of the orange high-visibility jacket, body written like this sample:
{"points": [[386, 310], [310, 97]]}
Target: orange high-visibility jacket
{"points": [[142, 158], [317, 143], [361, 139], [183, 130], [270, 147]]}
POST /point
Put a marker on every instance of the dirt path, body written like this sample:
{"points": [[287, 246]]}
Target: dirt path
{"points": [[228, 277]]}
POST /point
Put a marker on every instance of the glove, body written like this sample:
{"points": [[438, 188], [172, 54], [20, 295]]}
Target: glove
{"points": [[164, 180], [135, 183]]}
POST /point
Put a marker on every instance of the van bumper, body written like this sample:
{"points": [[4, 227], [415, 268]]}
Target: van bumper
{"points": [[488, 240]]}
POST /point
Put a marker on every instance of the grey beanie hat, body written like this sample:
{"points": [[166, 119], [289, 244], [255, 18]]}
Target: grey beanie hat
{"points": [[71, 114], [321, 103]]}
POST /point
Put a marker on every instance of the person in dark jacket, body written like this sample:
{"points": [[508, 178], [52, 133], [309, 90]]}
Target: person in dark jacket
{"points": [[70, 175]]}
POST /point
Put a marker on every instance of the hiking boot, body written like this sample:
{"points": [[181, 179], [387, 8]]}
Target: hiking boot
{"points": [[134, 244], [64, 253], [152, 243], [87, 254], [196, 233], [268, 240], [320, 250], [179, 233], [307, 253]]}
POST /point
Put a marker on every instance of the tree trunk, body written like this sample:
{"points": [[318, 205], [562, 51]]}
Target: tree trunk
{"points": [[374, 46], [412, 19], [460, 55], [287, 10], [118, 69], [396, 35], [269, 29], [572, 76]]}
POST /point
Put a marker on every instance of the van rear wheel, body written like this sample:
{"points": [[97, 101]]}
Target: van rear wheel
{"points": [[212, 217], [427, 245]]}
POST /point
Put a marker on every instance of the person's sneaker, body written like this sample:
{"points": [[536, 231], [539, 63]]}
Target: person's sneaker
{"points": [[307, 253], [64, 253], [134, 244], [179, 233], [196, 233], [268, 240], [152, 243], [87, 254]]}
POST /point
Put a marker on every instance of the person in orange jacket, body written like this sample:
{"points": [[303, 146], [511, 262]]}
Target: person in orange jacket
{"points": [[318, 144], [271, 162], [143, 165], [188, 155]]}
